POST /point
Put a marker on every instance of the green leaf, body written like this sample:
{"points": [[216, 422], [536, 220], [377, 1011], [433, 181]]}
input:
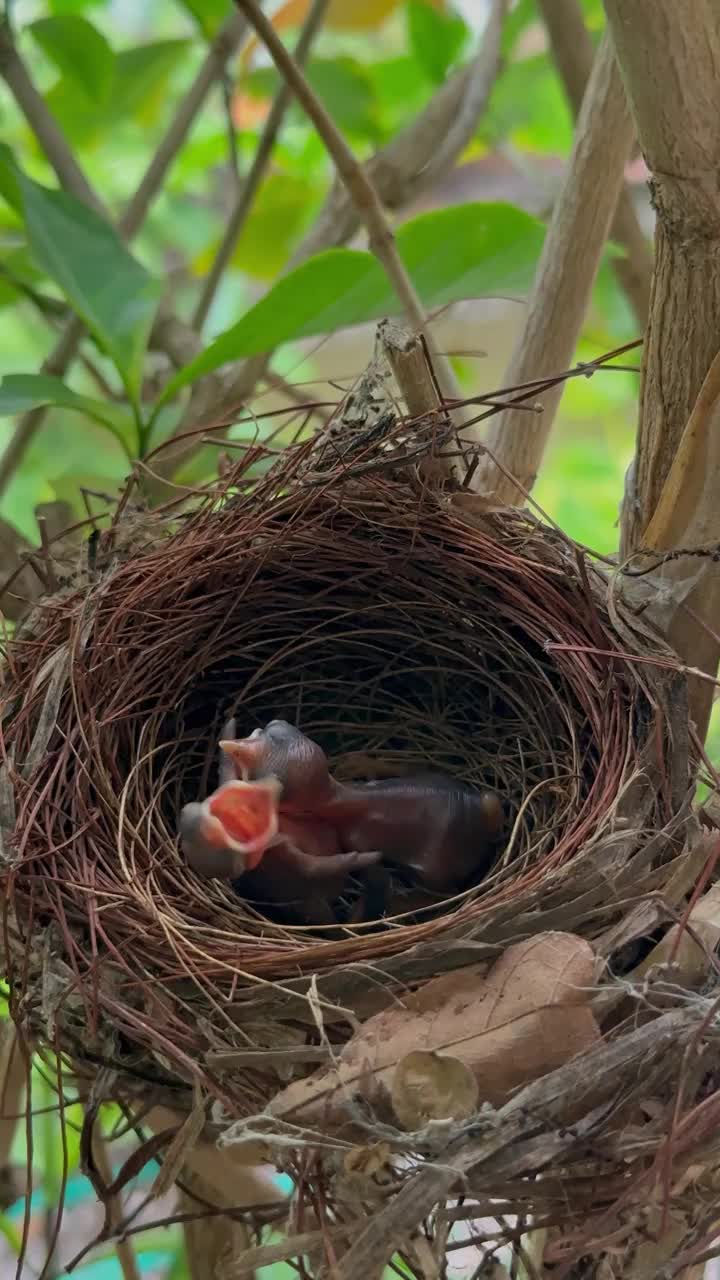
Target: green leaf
{"points": [[528, 108], [467, 251], [142, 74], [283, 208], [20, 392], [401, 88], [109, 289], [342, 84], [79, 51], [9, 179], [436, 39], [62, 7], [10, 1234], [594, 14], [209, 14]]}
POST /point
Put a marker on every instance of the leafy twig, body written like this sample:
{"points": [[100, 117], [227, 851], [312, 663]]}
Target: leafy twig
{"points": [[42, 122], [255, 175], [72, 179], [408, 164]]}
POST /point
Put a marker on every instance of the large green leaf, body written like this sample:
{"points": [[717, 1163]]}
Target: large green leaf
{"points": [[79, 51], [20, 392], [109, 289], [141, 75], [468, 251], [137, 90], [436, 39]]}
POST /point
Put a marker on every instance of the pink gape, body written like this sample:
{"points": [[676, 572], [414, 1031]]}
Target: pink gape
{"points": [[443, 831]]}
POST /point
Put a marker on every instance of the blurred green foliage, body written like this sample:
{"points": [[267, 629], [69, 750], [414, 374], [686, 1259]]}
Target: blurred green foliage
{"points": [[114, 75]]}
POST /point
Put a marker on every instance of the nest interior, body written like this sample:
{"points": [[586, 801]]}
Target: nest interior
{"points": [[401, 632]]}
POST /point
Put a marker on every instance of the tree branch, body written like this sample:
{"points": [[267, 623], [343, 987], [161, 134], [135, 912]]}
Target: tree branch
{"points": [[568, 265], [688, 515], [219, 52], [44, 126], [381, 239], [669, 57], [418, 156], [250, 186], [423, 152], [572, 51]]}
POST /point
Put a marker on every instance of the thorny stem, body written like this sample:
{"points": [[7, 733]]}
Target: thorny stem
{"points": [[381, 239], [259, 164]]}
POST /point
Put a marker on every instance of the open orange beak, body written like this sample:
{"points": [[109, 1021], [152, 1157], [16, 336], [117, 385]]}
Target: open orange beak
{"points": [[247, 812], [232, 828]]}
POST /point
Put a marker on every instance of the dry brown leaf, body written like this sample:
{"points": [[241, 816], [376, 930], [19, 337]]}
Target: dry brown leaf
{"points": [[432, 1086], [529, 1015], [690, 960]]}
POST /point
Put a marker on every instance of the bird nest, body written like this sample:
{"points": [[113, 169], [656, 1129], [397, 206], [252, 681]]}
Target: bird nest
{"points": [[402, 626]]}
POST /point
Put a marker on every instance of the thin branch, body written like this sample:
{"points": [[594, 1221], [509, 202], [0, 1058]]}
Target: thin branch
{"points": [[424, 151], [413, 372], [572, 51], [71, 178], [44, 126], [219, 52], [294, 394], [250, 186], [13, 1076], [381, 239], [566, 271], [415, 158], [113, 1207]]}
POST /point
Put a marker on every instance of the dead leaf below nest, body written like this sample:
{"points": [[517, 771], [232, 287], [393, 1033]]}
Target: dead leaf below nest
{"points": [[459, 1035]]}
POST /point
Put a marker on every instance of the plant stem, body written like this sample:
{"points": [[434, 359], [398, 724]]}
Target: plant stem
{"points": [[568, 263], [572, 52], [262, 155], [381, 238]]}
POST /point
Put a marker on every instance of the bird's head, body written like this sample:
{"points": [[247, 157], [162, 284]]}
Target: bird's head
{"points": [[228, 834], [284, 752]]}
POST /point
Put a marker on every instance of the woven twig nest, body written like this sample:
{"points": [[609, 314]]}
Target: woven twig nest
{"points": [[400, 627]]}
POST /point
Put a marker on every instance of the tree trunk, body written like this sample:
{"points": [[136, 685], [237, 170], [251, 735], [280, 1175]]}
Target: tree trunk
{"points": [[669, 58]]}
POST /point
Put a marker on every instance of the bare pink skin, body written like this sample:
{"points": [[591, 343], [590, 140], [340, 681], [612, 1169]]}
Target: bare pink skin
{"points": [[228, 835], [445, 832]]}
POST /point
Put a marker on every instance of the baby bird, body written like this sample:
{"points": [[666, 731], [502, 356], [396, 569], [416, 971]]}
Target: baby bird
{"points": [[443, 831]]}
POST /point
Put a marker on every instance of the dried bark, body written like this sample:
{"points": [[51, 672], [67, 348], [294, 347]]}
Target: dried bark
{"points": [[568, 264], [669, 58]]}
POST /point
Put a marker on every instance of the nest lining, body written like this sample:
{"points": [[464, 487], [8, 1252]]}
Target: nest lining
{"points": [[398, 631]]}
